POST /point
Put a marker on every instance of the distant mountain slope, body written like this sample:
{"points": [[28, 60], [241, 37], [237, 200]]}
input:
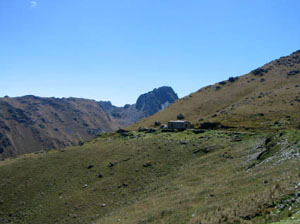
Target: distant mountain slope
{"points": [[146, 105], [266, 97], [30, 123]]}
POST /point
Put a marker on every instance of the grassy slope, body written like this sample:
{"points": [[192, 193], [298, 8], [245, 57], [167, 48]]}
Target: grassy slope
{"points": [[239, 103], [202, 178], [191, 178]]}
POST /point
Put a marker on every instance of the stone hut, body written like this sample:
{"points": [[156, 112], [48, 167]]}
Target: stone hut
{"points": [[179, 124]]}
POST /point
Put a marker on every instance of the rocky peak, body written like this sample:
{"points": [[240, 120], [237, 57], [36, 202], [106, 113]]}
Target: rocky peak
{"points": [[156, 100], [106, 105]]}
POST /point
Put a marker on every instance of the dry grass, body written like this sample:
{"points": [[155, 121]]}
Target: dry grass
{"points": [[239, 103]]}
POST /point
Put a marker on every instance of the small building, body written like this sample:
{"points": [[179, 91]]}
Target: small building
{"points": [[179, 124]]}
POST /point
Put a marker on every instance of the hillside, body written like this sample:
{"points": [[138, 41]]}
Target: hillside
{"points": [[266, 97], [212, 177], [30, 123], [244, 172]]}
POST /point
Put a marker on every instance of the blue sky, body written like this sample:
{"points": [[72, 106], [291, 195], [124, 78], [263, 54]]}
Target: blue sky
{"points": [[117, 49]]}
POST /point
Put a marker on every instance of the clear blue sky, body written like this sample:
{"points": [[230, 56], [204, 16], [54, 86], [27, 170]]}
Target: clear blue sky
{"points": [[117, 49]]}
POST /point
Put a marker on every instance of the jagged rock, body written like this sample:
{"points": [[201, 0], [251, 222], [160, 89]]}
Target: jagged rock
{"points": [[146, 105], [156, 100]]}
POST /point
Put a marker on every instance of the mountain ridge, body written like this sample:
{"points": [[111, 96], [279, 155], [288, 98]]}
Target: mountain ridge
{"points": [[265, 95], [146, 105], [31, 123]]}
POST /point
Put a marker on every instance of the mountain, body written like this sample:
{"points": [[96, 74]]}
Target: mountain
{"points": [[30, 123], [268, 96], [244, 171], [146, 105]]}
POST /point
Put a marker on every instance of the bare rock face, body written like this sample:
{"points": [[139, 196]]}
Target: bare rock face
{"points": [[156, 100], [146, 105]]}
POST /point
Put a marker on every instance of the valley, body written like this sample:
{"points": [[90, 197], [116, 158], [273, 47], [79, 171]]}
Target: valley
{"points": [[238, 164], [31, 123]]}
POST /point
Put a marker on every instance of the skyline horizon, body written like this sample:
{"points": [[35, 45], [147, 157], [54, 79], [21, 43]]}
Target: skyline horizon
{"points": [[97, 100]]}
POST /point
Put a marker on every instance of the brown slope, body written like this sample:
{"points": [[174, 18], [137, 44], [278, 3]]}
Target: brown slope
{"points": [[268, 96], [29, 124]]}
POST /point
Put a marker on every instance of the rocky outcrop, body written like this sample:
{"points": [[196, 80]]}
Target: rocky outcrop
{"points": [[146, 105], [156, 100]]}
